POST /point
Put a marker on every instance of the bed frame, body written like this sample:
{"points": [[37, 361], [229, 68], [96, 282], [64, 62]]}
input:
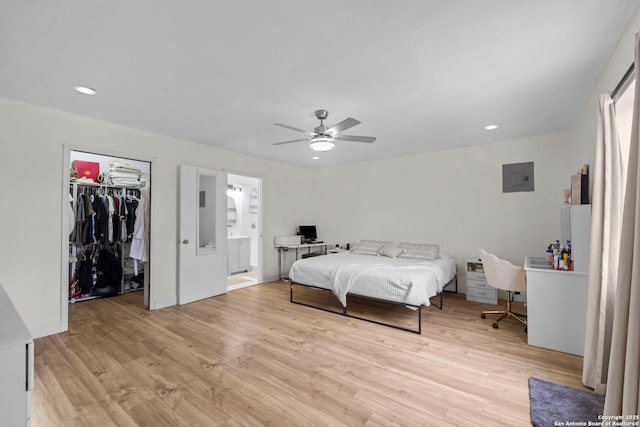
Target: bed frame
{"points": [[345, 309]]}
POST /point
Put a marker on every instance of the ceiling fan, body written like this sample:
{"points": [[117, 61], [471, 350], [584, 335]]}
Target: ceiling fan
{"points": [[322, 139]]}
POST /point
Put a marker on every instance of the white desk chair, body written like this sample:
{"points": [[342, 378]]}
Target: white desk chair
{"points": [[503, 275]]}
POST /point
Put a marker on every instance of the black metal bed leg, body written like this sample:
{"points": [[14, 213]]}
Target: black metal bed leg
{"points": [[346, 313]]}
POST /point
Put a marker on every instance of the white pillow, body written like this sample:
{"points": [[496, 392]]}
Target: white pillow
{"points": [[364, 251], [390, 251], [369, 247], [419, 250]]}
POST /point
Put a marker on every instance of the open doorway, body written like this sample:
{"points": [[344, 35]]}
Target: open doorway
{"points": [[244, 231], [108, 227]]}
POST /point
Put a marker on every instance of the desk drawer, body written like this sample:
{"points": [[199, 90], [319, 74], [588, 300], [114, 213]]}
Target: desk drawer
{"points": [[475, 276], [472, 283], [486, 295]]}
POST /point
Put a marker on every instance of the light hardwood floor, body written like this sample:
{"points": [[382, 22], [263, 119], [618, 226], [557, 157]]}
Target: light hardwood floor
{"points": [[251, 358]]}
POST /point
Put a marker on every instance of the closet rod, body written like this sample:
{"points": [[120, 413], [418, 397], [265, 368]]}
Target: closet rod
{"points": [[624, 83]]}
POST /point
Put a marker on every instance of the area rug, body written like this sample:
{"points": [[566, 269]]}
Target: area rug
{"points": [[554, 405]]}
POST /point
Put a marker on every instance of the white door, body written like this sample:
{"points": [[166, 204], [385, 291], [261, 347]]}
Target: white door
{"points": [[202, 234]]}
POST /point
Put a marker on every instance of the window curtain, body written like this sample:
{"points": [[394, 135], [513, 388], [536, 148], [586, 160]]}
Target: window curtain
{"points": [[623, 382], [606, 208]]}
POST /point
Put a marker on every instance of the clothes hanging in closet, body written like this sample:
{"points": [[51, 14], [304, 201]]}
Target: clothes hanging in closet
{"points": [[140, 239], [103, 218], [84, 217], [131, 205], [101, 208]]}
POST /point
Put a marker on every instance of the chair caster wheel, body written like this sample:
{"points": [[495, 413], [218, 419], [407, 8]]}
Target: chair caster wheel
{"points": [[495, 326], [483, 316]]}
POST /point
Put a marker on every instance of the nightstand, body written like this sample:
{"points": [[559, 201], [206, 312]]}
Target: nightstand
{"points": [[477, 288]]}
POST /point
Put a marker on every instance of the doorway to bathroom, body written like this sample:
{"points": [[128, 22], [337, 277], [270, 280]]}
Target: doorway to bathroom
{"points": [[244, 231]]}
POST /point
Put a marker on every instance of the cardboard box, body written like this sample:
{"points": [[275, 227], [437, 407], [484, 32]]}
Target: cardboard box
{"points": [[579, 189]]}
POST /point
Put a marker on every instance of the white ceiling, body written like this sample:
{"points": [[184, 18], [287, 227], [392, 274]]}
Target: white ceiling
{"points": [[421, 75]]}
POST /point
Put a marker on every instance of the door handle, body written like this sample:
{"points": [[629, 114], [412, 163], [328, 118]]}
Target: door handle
{"points": [[185, 242]]}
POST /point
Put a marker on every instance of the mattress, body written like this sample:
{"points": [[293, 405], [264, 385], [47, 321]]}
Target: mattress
{"points": [[401, 280]]}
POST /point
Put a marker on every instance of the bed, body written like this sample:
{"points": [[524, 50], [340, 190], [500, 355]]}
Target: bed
{"points": [[409, 275]]}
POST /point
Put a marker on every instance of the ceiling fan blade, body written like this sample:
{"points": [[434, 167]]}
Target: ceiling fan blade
{"points": [[343, 125], [355, 138], [282, 125], [289, 142]]}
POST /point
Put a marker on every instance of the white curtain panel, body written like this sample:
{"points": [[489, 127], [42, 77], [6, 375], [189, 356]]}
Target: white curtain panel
{"points": [[606, 213], [623, 382]]}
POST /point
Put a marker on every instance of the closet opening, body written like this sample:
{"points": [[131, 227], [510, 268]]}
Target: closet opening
{"points": [[244, 231], [108, 243]]}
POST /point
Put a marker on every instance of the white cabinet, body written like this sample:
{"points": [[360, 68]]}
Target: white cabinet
{"points": [[477, 288], [16, 366], [557, 300], [556, 307], [238, 254]]}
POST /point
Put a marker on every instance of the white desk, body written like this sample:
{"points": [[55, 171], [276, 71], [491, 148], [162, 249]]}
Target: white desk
{"points": [[556, 307], [285, 248]]}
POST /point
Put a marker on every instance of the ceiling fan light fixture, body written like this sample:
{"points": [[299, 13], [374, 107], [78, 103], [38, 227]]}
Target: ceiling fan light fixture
{"points": [[321, 139], [321, 143]]}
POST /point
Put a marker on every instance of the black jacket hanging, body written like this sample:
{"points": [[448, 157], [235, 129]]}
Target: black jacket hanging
{"points": [[109, 274]]}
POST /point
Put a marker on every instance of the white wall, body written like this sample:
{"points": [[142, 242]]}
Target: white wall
{"points": [[31, 188], [453, 198], [583, 133]]}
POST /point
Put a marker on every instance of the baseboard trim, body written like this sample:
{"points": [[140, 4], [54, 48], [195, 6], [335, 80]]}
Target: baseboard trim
{"points": [[273, 278], [46, 329], [164, 302]]}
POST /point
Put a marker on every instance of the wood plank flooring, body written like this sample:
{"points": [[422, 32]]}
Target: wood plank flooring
{"points": [[251, 358]]}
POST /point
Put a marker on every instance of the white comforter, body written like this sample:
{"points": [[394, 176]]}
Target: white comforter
{"points": [[399, 280]]}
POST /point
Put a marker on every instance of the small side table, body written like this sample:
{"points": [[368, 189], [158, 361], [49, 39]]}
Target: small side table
{"points": [[477, 287]]}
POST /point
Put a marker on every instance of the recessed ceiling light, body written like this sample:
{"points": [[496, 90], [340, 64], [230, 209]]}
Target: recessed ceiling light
{"points": [[85, 90], [315, 158], [491, 127]]}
